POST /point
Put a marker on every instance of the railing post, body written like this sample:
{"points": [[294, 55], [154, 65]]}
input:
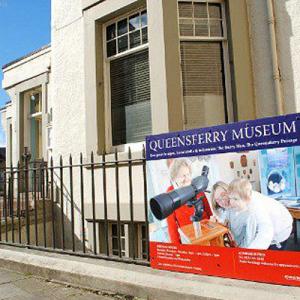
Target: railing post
{"points": [[19, 203], [62, 203], [27, 157], [72, 202], [133, 239], [4, 209], [52, 203], [146, 201], [105, 204], [93, 203], [35, 205], [47, 180], [118, 204], [44, 202], [82, 203], [2, 177], [11, 202], [2, 204]]}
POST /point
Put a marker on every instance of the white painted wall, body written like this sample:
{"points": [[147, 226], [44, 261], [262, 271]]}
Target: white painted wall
{"points": [[288, 43], [67, 76]]}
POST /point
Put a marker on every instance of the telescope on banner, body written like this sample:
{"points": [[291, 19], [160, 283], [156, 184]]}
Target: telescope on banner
{"points": [[165, 204]]}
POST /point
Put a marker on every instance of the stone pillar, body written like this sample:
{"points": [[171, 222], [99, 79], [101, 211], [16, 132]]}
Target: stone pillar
{"points": [[19, 127], [165, 73], [9, 149], [242, 61], [44, 120]]}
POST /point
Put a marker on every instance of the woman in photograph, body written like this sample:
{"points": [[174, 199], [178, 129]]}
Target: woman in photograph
{"points": [[181, 175], [240, 223], [268, 222], [220, 202]]}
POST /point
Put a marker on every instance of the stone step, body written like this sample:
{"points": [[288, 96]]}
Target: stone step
{"points": [[40, 216], [22, 202]]}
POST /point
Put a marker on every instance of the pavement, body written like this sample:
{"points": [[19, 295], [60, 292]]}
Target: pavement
{"points": [[14, 285], [62, 273]]}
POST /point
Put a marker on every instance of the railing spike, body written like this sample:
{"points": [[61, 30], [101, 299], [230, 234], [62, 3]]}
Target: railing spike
{"points": [[92, 157]]}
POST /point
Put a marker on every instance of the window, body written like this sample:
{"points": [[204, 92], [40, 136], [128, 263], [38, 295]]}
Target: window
{"points": [[35, 116], [35, 104], [135, 240], [115, 241], [128, 81], [142, 241], [204, 63], [200, 18], [127, 33]]}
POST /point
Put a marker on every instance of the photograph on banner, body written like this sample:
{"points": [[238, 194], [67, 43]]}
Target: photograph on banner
{"points": [[242, 199]]}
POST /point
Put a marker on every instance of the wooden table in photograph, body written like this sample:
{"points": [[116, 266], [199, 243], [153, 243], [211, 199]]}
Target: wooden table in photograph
{"points": [[212, 234], [295, 212]]}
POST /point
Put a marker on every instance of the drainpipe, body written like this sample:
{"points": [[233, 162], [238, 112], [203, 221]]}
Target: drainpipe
{"points": [[275, 62]]}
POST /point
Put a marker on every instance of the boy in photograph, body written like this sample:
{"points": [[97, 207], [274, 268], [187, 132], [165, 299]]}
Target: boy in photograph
{"points": [[242, 224], [268, 222]]}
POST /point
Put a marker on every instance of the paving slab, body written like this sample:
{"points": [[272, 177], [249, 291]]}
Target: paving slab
{"points": [[22, 286], [7, 276]]}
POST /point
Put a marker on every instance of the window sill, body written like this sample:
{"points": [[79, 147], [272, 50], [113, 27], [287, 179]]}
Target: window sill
{"points": [[35, 115], [124, 148], [122, 154]]}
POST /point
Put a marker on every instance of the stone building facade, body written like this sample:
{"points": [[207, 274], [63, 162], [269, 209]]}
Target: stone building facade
{"points": [[119, 70], [226, 45]]}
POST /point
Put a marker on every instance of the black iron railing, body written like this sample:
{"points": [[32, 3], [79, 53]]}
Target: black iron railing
{"points": [[68, 208]]}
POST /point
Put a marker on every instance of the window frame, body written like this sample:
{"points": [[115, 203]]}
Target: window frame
{"points": [[129, 237], [109, 147], [37, 117], [125, 237], [49, 127], [38, 114], [229, 116], [141, 253]]}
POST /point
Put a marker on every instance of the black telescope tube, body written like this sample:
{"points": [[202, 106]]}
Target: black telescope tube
{"points": [[164, 204]]}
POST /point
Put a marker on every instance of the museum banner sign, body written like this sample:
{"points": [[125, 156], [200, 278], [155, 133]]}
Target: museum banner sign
{"points": [[225, 200]]}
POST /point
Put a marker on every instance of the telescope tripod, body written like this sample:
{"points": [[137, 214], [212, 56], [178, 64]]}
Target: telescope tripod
{"points": [[199, 208], [197, 217]]}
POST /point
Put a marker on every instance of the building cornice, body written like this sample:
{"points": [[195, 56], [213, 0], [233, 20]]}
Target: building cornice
{"points": [[25, 56]]}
